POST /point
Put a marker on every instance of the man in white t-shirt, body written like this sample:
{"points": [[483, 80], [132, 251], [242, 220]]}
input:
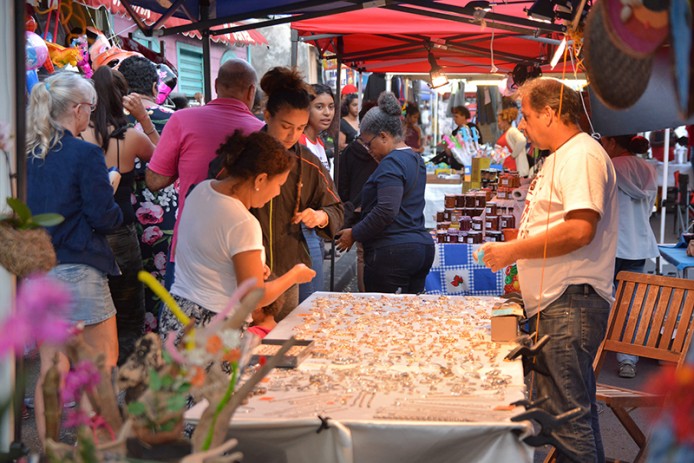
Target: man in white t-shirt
{"points": [[565, 253]]}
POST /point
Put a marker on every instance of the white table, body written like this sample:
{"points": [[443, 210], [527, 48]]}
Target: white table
{"points": [[433, 197], [402, 378]]}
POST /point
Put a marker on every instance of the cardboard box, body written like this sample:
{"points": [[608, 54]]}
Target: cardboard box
{"points": [[434, 179], [505, 317], [478, 165], [504, 328]]}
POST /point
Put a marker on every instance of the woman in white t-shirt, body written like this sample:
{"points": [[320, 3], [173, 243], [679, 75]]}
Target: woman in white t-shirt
{"points": [[220, 242]]}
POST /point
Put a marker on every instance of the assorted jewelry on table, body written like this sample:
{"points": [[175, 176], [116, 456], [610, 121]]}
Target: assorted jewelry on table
{"points": [[425, 358]]}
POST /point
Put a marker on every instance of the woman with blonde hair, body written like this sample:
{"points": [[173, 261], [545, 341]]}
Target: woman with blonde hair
{"points": [[68, 176], [514, 141]]}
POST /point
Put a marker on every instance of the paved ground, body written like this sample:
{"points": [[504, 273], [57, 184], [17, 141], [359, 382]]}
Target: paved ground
{"points": [[618, 444]]}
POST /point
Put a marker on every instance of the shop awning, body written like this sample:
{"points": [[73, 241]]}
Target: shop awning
{"points": [[462, 38], [149, 17]]}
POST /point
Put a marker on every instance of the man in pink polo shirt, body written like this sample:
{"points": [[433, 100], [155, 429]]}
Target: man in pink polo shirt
{"points": [[192, 136]]}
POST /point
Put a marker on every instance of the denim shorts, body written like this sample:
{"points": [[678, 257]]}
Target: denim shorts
{"points": [[91, 298]]}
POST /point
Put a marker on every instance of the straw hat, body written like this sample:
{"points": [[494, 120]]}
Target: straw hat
{"points": [[617, 78]]}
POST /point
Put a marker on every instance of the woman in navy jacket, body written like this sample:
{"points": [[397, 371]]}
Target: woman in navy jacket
{"points": [[68, 176], [398, 250]]}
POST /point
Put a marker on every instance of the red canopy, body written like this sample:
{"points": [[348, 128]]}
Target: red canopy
{"points": [[462, 39]]}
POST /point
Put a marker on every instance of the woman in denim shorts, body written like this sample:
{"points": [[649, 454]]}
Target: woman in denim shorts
{"points": [[68, 176]]}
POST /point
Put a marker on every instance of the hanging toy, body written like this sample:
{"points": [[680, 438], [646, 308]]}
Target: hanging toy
{"points": [[167, 82], [82, 45], [36, 51]]}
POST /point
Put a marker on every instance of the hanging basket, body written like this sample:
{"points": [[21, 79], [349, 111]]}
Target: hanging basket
{"points": [[23, 252]]}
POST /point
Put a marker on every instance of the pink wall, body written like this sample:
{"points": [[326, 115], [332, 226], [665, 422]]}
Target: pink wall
{"points": [[123, 26]]}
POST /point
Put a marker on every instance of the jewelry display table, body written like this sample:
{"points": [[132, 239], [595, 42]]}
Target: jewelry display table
{"points": [[401, 378]]}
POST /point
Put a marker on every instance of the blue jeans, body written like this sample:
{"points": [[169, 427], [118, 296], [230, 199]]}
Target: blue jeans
{"points": [[627, 265], [576, 324], [315, 249], [401, 268], [91, 301]]}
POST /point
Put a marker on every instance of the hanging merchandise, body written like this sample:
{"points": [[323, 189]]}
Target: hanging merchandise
{"points": [[167, 82], [36, 51], [102, 52]]}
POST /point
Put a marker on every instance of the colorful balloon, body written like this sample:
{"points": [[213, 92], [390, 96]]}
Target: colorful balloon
{"points": [[36, 51], [31, 79]]}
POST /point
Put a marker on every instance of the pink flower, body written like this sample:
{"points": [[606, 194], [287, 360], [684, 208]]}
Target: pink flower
{"points": [[160, 261], [151, 235], [75, 418], [41, 307], [83, 377], [150, 213]]}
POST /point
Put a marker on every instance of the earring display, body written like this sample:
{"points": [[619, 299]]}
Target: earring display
{"points": [[393, 357]]}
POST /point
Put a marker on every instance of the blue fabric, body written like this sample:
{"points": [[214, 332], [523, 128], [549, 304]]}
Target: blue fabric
{"points": [[90, 300], [455, 273], [576, 324], [393, 203], [73, 181], [315, 250]]}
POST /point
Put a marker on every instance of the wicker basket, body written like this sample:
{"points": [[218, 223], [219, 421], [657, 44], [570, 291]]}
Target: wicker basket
{"points": [[23, 252]]}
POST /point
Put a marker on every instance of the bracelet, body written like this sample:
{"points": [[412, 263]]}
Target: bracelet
{"points": [[151, 131]]}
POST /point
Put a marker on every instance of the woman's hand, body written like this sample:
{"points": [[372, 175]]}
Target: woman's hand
{"points": [[302, 273], [345, 240], [266, 272], [312, 218], [133, 104]]}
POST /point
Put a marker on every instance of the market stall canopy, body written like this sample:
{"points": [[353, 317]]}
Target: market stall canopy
{"points": [[213, 16], [463, 37], [149, 18]]}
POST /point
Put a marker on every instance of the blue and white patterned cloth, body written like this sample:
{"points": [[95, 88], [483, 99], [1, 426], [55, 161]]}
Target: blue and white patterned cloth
{"points": [[455, 273]]}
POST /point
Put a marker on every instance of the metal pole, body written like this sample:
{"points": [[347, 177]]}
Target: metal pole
{"points": [[294, 47], [206, 60], [663, 192], [336, 147]]}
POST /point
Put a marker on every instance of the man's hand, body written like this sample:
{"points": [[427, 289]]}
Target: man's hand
{"points": [[497, 256], [345, 240], [312, 218]]}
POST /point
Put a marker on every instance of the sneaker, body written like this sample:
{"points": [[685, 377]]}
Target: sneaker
{"points": [[627, 370]]}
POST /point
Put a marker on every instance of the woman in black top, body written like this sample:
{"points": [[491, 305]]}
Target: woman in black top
{"points": [[109, 129], [349, 124]]}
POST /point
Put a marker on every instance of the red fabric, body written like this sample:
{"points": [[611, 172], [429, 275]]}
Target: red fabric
{"points": [[509, 163], [365, 40]]}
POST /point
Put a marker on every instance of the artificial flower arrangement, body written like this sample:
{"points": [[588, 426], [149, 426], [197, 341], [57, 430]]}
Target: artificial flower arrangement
{"points": [[157, 379]]}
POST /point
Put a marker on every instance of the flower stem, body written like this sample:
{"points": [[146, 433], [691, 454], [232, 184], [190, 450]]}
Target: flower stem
{"points": [[222, 403]]}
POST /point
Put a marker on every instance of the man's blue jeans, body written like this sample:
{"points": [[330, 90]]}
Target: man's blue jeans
{"points": [[576, 324]]}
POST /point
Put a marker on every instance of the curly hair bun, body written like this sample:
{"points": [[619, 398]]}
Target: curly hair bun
{"points": [[280, 79], [389, 104], [639, 145]]}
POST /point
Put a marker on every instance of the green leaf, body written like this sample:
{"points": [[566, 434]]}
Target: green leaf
{"points": [[183, 388], [47, 220], [166, 382], [176, 402], [136, 408], [154, 380], [19, 208]]}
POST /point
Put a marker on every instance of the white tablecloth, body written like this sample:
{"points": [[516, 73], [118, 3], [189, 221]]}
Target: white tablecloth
{"points": [[672, 167], [433, 197], [407, 392]]}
